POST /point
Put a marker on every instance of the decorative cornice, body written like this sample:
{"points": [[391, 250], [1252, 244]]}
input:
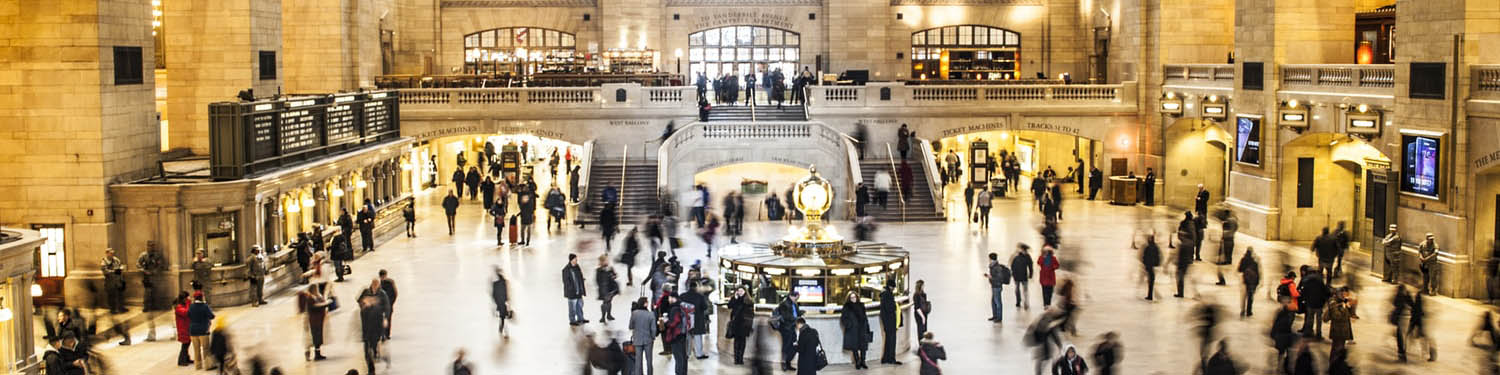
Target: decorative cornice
{"points": [[743, 3], [967, 2], [520, 3]]}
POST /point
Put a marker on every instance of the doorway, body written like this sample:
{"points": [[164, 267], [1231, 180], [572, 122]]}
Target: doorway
{"points": [[1197, 153], [1325, 183]]}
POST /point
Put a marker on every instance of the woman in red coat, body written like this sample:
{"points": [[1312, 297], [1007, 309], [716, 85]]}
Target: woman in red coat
{"points": [[180, 310], [1047, 273]]}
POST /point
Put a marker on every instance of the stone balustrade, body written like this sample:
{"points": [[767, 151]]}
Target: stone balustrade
{"points": [[897, 95], [1336, 76], [1209, 74], [1486, 81]]}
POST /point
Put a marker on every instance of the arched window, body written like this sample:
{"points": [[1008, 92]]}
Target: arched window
{"points": [[520, 50], [739, 49], [967, 52]]}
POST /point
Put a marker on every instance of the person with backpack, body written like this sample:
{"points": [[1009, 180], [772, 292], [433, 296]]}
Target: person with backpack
{"points": [[998, 275], [930, 352], [675, 327], [1020, 271], [1047, 266]]}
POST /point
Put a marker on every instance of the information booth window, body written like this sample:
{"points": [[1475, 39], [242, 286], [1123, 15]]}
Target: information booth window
{"points": [[965, 52], [215, 233], [521, 50]]}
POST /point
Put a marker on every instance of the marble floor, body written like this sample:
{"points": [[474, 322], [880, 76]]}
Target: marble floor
{"points": [[444, 303]]}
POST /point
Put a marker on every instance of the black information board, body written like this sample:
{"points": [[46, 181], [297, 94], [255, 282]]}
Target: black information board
{"points": [[249, 138]]}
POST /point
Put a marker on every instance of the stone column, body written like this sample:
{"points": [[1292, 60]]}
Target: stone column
{"points": [[213, 52], [72, 125], [857, 32], [1274, 32], [330, 46]]}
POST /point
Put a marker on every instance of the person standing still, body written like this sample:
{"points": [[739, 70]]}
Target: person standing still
{"points": [[642, 335], [114, 282], [1096, 182], [1150, 259], [203, 272], [366, 220], [200, 318], [1150, 187], [573, 290], [1428, 250], [450, 208], [256, 273], [890, 320], [741, 322], [1047, 265], [1392, 245], [750, 88], [1020, 271], [903, 141], [784, 320], [998, 276], [856, 328], [180, 308]]}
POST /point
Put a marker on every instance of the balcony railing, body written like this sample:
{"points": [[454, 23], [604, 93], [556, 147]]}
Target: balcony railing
{"points": [[1486, 81], [1339, 76], [548, 95], [857, 96], [1222, 73]]}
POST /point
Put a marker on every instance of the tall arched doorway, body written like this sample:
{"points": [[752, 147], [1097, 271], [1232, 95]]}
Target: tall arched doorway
{"points": [[1197, 152], [740, 50]]}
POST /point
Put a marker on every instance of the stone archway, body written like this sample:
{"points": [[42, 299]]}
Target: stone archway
{"points": [[1197, 152], [701, 147], [1332, 191]]}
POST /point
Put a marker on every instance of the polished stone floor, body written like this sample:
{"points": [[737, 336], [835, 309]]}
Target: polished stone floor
{"points": [[444, 303]]}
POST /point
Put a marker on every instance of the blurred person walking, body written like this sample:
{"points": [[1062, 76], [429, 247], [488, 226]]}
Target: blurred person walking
{"points": [[628, 256], [1392, 246], [1150, 259], [153, 265], [1186, 238], [314, 305], [373, 318], [1221, 363], [1020, 271], [500, 295], [409, 213], [388, 286], [1417, 329], [930, 351], [1109, 352], [1047, 265], [450, 208]]}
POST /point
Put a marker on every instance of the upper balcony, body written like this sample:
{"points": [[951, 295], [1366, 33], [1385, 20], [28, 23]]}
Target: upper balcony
{"points": [[1199, 76], [1484, 92], [615, 101], [1364, 83]]}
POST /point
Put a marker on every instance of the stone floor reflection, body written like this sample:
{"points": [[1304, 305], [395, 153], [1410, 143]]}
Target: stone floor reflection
{"points": [[444, 303]]}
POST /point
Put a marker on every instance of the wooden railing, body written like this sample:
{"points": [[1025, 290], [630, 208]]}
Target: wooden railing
{"points": [[1339, 75]]}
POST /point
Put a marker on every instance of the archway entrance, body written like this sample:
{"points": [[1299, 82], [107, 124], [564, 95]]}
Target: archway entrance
{"points": [[484, 153], [1324, 181], [1070, 157], [1197, 152], [740, 50], [756, 181]]}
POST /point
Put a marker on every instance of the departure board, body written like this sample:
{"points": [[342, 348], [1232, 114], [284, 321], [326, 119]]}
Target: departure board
{"points": [[264, 128], [341, 123], [298, 130], [377, 117]]}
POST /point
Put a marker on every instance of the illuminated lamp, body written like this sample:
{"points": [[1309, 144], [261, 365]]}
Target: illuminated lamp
{"points": [[360, 183], [842, 271], [1171, 104], [1362, 120], [1215, 108], [309, 202], [808, 272], [36, 290], [1364, 54], [1293, 115]]}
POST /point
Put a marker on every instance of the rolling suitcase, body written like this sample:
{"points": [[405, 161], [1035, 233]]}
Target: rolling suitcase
{"points": [[514, 231]]}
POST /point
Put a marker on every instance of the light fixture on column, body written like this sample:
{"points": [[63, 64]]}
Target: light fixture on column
{"points": [[1362, 120], [1171, 104], [679, 60], [1293, 114], [1215, 107]]}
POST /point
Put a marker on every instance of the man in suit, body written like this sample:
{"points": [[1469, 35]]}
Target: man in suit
{"points": [[786, 315]]}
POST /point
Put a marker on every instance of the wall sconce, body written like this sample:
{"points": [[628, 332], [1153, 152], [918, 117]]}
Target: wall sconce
{"points": [[1215, 108], [1362, 120], [360, 183], [1293, 114], [292, 206], [36, 290], [1171, 104], [309, 202], [336, 192], [5, 313]]}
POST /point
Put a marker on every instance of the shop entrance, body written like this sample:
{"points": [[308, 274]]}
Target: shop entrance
{"points": [[1197, 153], [1070, 157], [1324, 182], [498, 155]]}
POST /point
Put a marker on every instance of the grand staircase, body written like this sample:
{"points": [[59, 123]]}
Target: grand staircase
{"points": [[637, 196], [721, 112], [919, 205]]}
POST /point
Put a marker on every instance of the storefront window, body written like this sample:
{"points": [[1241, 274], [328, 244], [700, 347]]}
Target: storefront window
{"points": [[520, 50], [966, 52], [738, 49], [215, 233]]}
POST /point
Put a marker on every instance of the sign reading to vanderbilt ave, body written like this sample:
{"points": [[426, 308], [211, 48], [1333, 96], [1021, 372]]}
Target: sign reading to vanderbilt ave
{"points": [[746, 17]]}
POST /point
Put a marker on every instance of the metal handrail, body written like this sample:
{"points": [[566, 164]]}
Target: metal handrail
{"points": [[625, 161], [929, 166], [586, 166], [896, 178]]}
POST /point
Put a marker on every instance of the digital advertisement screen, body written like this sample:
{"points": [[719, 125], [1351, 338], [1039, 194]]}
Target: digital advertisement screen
{"points": [[1247, 137], [1421, 164], [809, 292]]}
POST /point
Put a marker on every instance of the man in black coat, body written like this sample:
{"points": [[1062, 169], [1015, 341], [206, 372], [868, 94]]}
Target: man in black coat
{"points": [[367, 228], [346, 225], [487, 192], [1150, 259], [458, 181], [473, 180], [750, 88], [889, 321], [1186, 238], [1096, 181], [450, 207], [1326, 248], [785, 320], [1315, 294], [573, 290], [1020, 271], [861, 198], [1150, 188], [1200, 203]]}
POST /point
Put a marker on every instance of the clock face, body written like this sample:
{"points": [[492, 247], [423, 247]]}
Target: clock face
{"points": [[812, 197]]}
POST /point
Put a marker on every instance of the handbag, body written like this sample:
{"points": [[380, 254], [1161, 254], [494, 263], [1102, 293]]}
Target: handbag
{"points": [[822, 358], [333, 303]]}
